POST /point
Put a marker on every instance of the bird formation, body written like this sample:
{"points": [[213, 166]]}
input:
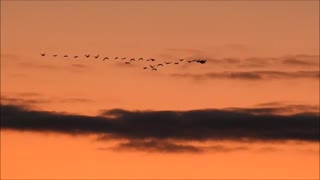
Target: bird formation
{"points": [[129, 61]]}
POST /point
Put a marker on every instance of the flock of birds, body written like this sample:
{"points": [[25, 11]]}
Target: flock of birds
{"points": [[130, 60]]}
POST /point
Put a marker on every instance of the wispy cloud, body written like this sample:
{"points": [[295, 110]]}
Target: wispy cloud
{"points": [[251, 75]]}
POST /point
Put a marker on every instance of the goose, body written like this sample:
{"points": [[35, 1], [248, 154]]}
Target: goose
{"points": [[87, 55], [43, 54], [152, 66], [105, 58], [132, 59], [160, 65], [97, 56], [140, 59], [154, 69]]}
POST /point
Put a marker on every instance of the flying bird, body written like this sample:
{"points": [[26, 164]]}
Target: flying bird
{"points": [[168, 62], [127, 62], [105, 58], [123, 58], [176, 63], [75, 56], [189, 61], [181, 59], [144, 67], [152, 66], [140, 59], [65, 56], [97, 56], [132, 59], [160, 65], [55, 55], [43, 54], [154, 69], [87, 55], [152, 59], [116, 58]]}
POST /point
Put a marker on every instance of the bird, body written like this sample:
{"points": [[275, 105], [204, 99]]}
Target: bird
{"points": [[160, 65], [189, 61], [144, 67], [97, 56], [123, 58], [168, 62], [87, 55], [132, 59], [154, 69], [116, 58], [105, 58], [152, 59], [140, 59], [55, 55], [152, 66], [176, 63], [75, 56], [127, 62], [202, 61], [181, 59], [65, 56], [43, 54]]}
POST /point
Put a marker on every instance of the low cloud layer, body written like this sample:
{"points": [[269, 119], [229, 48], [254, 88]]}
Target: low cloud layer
{"points": [[207, 124]]}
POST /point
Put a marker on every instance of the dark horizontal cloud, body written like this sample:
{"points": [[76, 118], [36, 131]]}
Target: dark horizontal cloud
{"points": [[211, 124], [251, 75]]}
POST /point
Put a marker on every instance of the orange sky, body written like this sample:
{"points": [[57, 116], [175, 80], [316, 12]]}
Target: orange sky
{"points": [[259, 37]]}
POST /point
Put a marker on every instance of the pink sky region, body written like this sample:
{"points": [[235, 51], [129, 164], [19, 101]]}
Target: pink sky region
{"points": [[251, 111]]}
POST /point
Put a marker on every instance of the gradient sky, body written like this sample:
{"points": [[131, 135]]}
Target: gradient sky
{"points": [[259, 55]]}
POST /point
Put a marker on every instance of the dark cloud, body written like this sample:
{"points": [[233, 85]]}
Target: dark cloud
{"points": [[157, 146], [251, 75], [196, 125]]}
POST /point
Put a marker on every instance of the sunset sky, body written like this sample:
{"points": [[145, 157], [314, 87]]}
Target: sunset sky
{"points": [[250, 112]]}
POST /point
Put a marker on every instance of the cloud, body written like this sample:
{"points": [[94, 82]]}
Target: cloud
{"points": [[198, 125], [251, 75]]}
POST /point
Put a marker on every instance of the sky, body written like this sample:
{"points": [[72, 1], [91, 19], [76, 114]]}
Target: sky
{"points": [[250, 112]]}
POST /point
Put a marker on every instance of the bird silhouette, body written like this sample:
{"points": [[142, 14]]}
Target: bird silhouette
{"points": [[160, 65], [140, 59], [152, 66], [87, 55], [116, 58], [65, 56], [97, 56], [132, 59], [127, 62], [168, 62], [154, 69], [43, 54], [123, 58], [75, 56], [144, 67], [189, 61], [202, 61], [181, 59], [176, 63], [55, 55], [105, 58], [152, 59]]}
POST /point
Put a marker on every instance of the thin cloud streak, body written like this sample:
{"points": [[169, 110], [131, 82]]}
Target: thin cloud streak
{"points": [[251, 75]]}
